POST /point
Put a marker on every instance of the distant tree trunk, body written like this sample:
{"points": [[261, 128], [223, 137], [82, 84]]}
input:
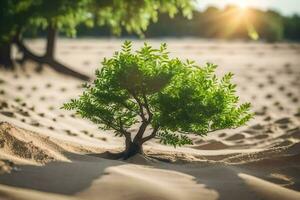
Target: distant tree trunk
{"points": [[5, 55], [49, 57], [51, 42]]}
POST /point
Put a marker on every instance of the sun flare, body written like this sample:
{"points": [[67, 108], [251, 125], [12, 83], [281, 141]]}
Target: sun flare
{"points": [[241, 4]]}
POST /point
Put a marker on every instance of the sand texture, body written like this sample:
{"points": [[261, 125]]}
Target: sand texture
{"points": [[48, 153]]}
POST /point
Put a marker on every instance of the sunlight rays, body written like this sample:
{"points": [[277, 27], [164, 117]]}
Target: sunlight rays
{"points": [[234, 20]]}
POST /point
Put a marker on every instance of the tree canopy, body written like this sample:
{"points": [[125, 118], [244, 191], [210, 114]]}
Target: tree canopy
{"points": [[66, 15], [18, 17], [173, 97]]}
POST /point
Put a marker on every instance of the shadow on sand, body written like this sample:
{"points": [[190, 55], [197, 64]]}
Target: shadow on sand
{"points": [[77, 174]]}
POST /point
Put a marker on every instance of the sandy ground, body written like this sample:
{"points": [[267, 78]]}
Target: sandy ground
{"points": [[48, 153]]}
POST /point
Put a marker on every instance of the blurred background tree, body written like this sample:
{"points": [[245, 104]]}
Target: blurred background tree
{"points": [[229, 23], [12, 15], [34, 16], [292, 27]]}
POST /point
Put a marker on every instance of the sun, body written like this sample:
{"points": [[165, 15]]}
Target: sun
{"points": [[242, 11], [242, 4]]}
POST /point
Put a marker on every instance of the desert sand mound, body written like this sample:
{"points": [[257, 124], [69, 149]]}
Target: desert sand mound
{"points": [[28, 146], [21, 146]]}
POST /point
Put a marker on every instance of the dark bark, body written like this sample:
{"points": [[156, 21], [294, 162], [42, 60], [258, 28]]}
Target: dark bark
{"points": [[131, 149], [51, 42], [136, 146], [5, 55], [141, 131], [57, 66], [152, 135]]}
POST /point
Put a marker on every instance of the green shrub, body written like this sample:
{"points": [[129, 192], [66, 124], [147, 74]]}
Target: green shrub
{"points": [[171, 97]]}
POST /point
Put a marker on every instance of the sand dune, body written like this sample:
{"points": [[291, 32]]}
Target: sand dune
{"points": [[268, 190], [27, 146], [139, 182], [49, 153], [13, 193]]}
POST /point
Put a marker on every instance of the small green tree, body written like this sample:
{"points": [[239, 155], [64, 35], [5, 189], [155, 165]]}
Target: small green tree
{"points": [[166, 96]]}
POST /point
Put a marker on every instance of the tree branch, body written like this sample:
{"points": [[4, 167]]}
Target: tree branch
{"points": [[145, 121], [141, 131], [152, 135], [130, 109], [146, 105], [142, 115], [126, 133]]}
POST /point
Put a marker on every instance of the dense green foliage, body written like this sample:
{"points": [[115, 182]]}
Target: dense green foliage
{"points": [[174, 97], [66, 15], [135, 15], [13, 14]]}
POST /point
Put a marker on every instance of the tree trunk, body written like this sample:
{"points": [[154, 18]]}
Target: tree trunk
{"points": [[136, 146], [51, 41], [5, 55], [132, 148]]}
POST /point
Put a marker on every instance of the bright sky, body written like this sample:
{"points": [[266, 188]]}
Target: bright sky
{"points": [[286, 7]]}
